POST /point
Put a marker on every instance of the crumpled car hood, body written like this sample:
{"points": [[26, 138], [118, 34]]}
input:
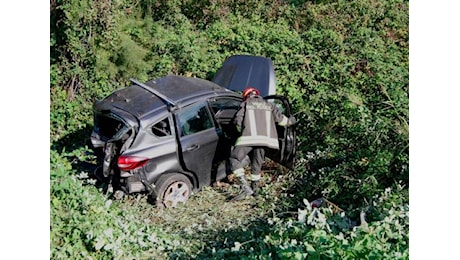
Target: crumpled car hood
{"points": [[241, 71]]}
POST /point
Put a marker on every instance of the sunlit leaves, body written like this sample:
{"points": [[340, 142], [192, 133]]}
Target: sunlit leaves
{"points": [[344, 67]]}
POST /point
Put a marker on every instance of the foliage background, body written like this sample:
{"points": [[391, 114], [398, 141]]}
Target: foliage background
{"points": [[343, 64]]}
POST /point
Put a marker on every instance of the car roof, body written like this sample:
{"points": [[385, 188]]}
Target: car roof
{"points": [[182, 90]]}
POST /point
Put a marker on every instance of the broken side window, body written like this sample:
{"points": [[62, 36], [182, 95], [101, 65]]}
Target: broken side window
{"points": [[162, 128]]}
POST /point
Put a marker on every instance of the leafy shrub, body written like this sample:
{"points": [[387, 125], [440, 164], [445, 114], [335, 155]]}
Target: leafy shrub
{"points": [[343, 65], [86, 224], [320, 233]]}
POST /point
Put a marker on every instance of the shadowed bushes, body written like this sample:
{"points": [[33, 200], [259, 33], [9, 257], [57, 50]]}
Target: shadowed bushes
{"points": [[343, 65]]}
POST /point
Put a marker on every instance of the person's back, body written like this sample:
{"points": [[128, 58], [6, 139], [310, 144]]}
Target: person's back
{"points": [[255, 120]]}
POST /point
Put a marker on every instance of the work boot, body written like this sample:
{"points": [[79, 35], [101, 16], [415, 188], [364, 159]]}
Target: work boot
{"points": [[246, 191], [255, 188]]}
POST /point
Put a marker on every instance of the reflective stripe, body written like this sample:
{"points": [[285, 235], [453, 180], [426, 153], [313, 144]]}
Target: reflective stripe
{"points": [[258, 141], [254, 177], [252, 122], [239, 172], [268, 122]]}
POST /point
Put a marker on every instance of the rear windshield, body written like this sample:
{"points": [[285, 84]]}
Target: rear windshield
{"points": [[107, 125]]}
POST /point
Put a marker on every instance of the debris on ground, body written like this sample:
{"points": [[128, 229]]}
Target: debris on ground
{"points": [[320, 201]]}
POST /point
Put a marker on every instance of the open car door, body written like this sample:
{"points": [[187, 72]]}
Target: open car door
{"points": [[286, 136]]}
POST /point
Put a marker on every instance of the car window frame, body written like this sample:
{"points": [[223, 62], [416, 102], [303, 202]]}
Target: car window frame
{"points": [[193, 119], [170, 125]]}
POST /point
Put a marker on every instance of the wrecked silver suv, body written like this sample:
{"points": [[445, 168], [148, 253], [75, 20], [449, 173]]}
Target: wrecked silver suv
{"points": [[173, 135]]}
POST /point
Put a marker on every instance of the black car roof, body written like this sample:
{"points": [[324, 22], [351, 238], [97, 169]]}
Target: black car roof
{"points": [[180, 89], [241, 71]]}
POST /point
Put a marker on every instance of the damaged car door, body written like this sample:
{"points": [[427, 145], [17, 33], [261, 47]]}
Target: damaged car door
{"points": [[198, 140]]}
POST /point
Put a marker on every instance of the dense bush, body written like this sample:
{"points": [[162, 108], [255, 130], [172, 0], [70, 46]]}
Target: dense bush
{"points": [[87, 224], [343, 64]]}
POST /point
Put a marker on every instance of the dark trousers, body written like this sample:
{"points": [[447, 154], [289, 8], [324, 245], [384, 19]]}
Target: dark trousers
{"points": [[257, 156]]}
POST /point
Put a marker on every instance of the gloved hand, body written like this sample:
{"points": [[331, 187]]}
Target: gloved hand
{"points": [[292, 121]]}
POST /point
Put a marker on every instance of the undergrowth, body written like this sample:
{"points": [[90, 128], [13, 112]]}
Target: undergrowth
{"points": [[342, 64], [86, 223]]}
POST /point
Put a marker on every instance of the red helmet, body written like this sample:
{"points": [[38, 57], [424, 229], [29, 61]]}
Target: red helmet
{"points": [[250, 91]]}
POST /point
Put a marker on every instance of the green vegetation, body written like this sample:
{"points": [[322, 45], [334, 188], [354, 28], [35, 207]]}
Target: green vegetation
{"points": [[343, 64]]}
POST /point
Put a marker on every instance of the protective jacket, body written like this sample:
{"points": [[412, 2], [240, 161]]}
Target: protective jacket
{"points": [[256, 121]]}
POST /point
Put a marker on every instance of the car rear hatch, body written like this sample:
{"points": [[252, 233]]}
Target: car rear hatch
{"points": [[109, 126], [116, 121], [112, 134]]}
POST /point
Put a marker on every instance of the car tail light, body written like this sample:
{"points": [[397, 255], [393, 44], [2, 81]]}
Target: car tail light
{"points": [[127, 163]]}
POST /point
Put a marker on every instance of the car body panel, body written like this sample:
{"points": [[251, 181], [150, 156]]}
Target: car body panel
{"points": [[241, 71], [198, 151], [164, 157], [198, 140]]}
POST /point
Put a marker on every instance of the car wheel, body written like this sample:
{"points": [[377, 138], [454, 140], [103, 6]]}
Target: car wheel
{"points": [[172, 189]]}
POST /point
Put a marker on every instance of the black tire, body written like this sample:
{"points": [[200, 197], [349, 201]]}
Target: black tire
{"points": [[172, 189]]}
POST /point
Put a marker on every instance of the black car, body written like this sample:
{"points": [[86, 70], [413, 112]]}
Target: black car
{"points": [[173, 135]]}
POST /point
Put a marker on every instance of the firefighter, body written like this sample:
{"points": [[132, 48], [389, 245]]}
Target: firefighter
{"points": [[256, 122]]}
